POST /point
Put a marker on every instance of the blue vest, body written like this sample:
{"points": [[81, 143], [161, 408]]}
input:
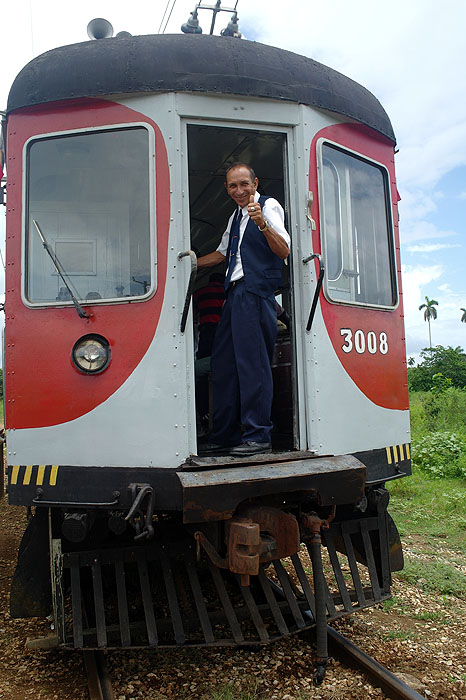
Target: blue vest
{"points": [[261, 267]]}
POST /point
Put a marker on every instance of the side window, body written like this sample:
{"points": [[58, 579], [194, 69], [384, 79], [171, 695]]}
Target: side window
{"points": [[356, 229], [90, 195]]}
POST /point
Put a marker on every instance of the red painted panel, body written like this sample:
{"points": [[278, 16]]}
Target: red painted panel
{"points": [[381, 374], [42, 385]]}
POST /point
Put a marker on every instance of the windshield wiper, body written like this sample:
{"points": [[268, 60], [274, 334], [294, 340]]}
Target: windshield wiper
{"points": [[61, 271]]}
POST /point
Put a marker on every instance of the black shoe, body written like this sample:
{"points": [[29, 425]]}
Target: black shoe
{"points": [[210, 449], [251, 448]]}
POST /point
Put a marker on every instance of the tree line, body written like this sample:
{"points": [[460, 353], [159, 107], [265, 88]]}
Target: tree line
{"points": [[449, 362]]}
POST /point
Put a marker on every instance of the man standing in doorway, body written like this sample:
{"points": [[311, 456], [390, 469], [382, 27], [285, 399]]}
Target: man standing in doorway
{"points": [[254, 246]]}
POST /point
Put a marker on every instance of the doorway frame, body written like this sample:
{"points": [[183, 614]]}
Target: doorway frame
{"points": [[291, 177]]}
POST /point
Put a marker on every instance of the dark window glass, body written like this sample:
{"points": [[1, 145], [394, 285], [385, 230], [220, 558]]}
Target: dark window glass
{"points": [[357, 232], [89, 194]]}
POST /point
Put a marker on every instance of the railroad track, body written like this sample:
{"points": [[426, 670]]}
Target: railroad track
{"points": [[98, 680], [100, 687], [351, 655]]}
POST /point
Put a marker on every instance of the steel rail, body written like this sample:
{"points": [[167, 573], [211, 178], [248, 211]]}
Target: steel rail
{"points": [[98, 680], [380, 676], [351, 655]]}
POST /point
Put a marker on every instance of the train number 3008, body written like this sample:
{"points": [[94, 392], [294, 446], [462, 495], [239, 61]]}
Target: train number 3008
{"points": [[362, 342]]}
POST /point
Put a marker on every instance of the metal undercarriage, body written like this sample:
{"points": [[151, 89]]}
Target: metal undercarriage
{"points": [[253, 553], [161, 595]]}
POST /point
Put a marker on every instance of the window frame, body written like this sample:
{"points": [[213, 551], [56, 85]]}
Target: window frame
{"points": [[125, 126], [389, 218]]}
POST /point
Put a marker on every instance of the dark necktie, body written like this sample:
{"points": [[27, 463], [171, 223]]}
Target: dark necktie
{"points": [[233, 246]]}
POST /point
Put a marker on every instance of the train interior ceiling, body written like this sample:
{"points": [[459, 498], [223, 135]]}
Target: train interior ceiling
{"points": [[211, 151]]}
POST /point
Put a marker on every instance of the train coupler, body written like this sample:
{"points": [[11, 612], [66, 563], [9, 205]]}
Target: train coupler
{"points": [[256, 535]]}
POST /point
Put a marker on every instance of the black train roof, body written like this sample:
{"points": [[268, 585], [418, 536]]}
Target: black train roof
{"points": [[192, 63]]}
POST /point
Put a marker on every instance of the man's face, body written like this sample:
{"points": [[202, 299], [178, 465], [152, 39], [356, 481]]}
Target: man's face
{"points": [[240, 186]]}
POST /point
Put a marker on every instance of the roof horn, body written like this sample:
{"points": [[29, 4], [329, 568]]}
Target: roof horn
{"points": [[99, 28]]}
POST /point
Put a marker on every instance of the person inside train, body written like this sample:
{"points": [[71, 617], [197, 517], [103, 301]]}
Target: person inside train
{"points": [[207, 306], [253, 246]]}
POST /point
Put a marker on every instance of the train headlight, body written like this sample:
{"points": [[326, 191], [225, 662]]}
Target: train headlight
{"points": [[91, 354]]}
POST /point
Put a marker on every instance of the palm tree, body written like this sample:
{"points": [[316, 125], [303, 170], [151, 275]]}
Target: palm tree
{"points": [[463, 317], [429, 313]]}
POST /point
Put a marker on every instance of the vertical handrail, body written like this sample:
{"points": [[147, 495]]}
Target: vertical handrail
{"points": [[318, 287], [189, 291]]}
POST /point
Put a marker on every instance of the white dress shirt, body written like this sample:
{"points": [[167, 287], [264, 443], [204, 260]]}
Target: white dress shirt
{"points": [[273, 212]]}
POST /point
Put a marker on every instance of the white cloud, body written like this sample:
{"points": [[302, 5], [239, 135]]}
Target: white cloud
{"points": [[423, 164], [422, 230], [415, 276], [446, 329], [416, 204], [415, 279], [432, 247], [416, 70]]}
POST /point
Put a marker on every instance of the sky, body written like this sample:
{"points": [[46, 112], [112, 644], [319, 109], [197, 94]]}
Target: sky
{"points": [[410, 53]]}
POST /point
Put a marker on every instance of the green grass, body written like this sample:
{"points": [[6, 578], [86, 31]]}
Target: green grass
{"points": [[434, 577], [430, 412], [399, 634], [432, 508], [228, 693], [430, 513], [430, 616], [394, 604]]}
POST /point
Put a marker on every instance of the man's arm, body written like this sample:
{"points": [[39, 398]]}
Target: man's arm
{"points": [[276, 242], [211, 259]]}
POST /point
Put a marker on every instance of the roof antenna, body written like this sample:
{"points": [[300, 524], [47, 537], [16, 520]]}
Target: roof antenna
{"points": [[192, 25], [232, 27]]}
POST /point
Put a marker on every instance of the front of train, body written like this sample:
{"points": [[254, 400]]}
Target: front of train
{"points": [[115, 164]]}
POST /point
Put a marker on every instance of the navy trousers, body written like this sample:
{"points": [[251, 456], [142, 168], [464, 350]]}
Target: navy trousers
{"points": [[241, 373]]}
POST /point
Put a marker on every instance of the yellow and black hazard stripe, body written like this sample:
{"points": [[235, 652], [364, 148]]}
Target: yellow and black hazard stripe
{"points": [[398, 453], [33, 475]]}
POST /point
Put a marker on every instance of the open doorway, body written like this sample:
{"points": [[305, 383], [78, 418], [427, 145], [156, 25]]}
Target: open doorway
{"points": [[211, 151]]}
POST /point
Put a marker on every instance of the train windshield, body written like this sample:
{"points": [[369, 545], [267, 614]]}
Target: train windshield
{"points": [[89, 193], [357, 233]]}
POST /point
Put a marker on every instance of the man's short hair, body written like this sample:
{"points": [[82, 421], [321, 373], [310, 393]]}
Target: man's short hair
{"points": [[238, 164]]}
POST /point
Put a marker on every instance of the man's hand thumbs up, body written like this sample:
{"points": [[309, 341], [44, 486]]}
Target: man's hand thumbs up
{"points": [[255, 211]]}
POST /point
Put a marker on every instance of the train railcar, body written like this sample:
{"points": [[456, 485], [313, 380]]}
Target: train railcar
{"points": [[116, 156]]}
